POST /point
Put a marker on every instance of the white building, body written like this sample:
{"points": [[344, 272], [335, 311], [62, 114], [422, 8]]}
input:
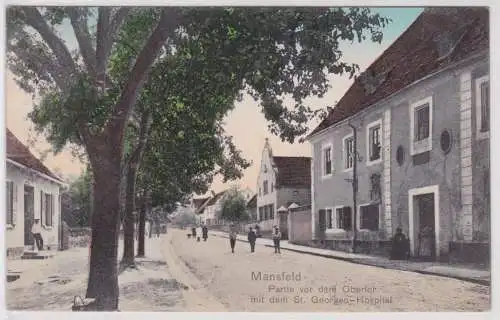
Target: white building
{"points": [[32, 192]]}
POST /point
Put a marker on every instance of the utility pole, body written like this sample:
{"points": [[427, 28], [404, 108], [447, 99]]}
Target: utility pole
{"points": [[354, 187]]}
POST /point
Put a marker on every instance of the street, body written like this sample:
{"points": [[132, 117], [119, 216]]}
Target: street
{"points": [[265, 281]]}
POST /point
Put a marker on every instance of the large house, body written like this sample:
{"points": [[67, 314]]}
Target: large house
{"points": [[420, 116], [282, 181], [32, 192]]}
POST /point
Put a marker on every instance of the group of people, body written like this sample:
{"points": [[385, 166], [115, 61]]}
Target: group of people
{"points": [[252, 238], [203, 232]]}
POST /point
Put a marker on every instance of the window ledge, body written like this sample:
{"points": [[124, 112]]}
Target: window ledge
{"points": [[418, 147], [367, 230], [47, 227], [335, 230], [9, 226]]}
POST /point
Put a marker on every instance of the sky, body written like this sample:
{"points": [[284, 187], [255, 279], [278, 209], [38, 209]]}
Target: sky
{"points": [[245, 123]]}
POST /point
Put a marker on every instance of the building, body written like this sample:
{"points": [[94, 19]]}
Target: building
{"points": [[32, 192], [281, 182], [421, 116], [208, 211]]}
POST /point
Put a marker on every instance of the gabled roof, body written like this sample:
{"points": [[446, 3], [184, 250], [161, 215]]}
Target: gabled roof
{"points": [[293, 171], [252, 203], [417, 53], [199, 202], [18, 152], [210, 201]]}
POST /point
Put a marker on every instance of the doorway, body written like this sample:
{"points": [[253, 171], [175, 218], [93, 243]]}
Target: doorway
{"points": [[29, 214], [424, 223]]}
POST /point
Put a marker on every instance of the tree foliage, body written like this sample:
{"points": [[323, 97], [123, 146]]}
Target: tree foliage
{"points": [[76, 201], [234, 206]]}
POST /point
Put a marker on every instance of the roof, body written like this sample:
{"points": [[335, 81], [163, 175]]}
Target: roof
{"points": [[252, 203], [210, 201], [415, 55], [18, 152], [293, 171], [199, 202]]}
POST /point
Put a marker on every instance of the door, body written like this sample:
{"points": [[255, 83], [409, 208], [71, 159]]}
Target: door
{"points": [[426, 236], [29, 214], [283, 224]]}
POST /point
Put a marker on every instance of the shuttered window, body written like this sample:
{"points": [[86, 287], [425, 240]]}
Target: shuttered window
{"points": [[344, 218], [485, 106], [322, 220]]}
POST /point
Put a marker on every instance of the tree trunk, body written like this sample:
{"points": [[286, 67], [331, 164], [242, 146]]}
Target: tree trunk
{"points": [[129, 219], [103, 275], [142, 226]]}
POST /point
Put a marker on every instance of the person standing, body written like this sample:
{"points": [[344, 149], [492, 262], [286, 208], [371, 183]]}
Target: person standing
{"points": [[252, 237], [204, 231], [36, 230], [232, 237], [276, 239]]}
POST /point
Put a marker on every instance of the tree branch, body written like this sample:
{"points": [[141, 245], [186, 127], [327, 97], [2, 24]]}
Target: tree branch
{"points": [[35, 20], [121, 111], [102, 39], [82, 34]]}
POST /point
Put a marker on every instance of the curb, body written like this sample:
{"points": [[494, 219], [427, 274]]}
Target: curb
{"points": [[355, 261]]}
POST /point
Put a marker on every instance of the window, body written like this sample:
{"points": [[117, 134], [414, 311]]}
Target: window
{"points": [[272, 187], [421, 126], [271, 211], [265, 187], [343, 217], [348, 152], [483, 106], [261, 213], [374, 145], [369, 217], [47, 209], [10, 203], [327, 160], [260, 191], [329, 218]]}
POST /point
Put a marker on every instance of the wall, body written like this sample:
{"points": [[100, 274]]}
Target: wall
{"points": [[480, 167], [442, 170], [334, 191], [299, 225], [15, 234], [270, 177]]}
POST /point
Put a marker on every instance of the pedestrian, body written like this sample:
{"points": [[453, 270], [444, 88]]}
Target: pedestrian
{"points": [[252, 237], [400, 249], [276, 239], [193, 232], [36, 230], [204, 231], [232, 237]]}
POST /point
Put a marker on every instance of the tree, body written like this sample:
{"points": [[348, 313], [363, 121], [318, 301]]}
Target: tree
{"points": [[76, 201], [234, 206], [269, 52]]}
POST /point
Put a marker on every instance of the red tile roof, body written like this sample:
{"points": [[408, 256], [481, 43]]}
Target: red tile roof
{"points": [[18, 152], [293, 171], [415, 55]]}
